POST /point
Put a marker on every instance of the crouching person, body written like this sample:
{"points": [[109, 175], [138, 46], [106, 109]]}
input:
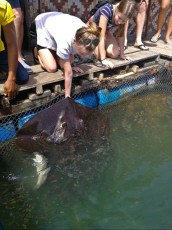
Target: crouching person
{"points": [[9, 64], [59, 37]]}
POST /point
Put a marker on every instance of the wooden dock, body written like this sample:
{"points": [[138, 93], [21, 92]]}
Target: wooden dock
{"points": [[40, 77], [42, 84]]}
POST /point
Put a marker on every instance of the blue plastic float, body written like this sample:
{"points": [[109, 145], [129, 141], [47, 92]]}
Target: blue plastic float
{"points": [[87, 99], [24, 119], [7, 131]]}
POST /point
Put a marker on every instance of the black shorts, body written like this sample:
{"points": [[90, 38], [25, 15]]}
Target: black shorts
{"points": [[33, 36], [17, 4]]}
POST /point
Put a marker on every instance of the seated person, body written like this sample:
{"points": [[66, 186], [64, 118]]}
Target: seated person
{"points": [[15, 72], [59, 37], [112, 43]]}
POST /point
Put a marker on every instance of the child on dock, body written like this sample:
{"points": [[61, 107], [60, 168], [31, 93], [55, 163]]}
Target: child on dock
{"points": [[59, 37], [107, 17]]}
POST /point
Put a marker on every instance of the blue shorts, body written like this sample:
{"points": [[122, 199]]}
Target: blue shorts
{"points": [[17, 3], [21, 75]]}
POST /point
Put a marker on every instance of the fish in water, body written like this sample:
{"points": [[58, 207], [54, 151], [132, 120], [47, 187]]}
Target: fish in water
{"points": [[61, 136]]}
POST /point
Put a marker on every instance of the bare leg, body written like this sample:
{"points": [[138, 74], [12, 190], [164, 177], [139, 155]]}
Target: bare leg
{"points": [[161, 18], [169, 29], [112, 46], [19, 27], [19, 30], [125, 33], [140, 20], [47, 60]]}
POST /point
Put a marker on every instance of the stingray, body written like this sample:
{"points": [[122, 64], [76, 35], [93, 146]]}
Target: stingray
{"points": [[62, 122], [70, 136]]}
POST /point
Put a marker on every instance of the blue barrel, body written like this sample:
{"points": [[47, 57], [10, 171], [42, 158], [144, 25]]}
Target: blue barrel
{"points": [[106, 96], [88, 99], [24, 119], [7, 131], [139, 85], [125, 90]]}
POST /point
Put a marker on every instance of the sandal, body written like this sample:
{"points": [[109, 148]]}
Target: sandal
{"points": [[141, 47], [98, 63], [155, 40]]}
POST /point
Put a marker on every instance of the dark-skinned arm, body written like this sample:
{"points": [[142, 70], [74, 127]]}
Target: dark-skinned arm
{"points": [[10, 39]]}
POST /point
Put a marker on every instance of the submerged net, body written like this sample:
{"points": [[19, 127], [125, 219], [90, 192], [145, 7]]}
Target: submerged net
{"points": [[109, 90]]}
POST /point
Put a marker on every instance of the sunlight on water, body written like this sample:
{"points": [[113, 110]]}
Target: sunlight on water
{"points": [[120, 183]]}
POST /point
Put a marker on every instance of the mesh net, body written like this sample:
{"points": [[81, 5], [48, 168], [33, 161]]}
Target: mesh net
{"points": [[99, 95]]}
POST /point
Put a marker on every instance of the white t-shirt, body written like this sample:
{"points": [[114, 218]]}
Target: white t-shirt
{"points": [[56, 31]]}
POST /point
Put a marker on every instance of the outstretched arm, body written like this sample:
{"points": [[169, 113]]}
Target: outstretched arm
{"points": [[101, 47], [121, 41], [102, 52], [10, 39], [68, 74]]}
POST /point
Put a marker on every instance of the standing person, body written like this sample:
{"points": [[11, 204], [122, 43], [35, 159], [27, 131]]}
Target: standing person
{"points": [[59, 37], [16, 73], [18, 7], [107, 17], [165, 4], [142, 6]]}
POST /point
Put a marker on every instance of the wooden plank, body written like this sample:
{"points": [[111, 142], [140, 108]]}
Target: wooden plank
{"points": [[40, 77], [165, 50]]}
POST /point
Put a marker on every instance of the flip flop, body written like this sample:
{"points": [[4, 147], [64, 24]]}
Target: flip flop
{"points": [[98, 63], [155, 40], [141, 47]]}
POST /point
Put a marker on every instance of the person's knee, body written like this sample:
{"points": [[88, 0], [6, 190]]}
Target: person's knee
{"points": [[114, 54], [142, 7], [164, 7], [51, 69]]}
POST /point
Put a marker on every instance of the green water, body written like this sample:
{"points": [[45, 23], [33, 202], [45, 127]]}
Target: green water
{"points": [[127, 186]]}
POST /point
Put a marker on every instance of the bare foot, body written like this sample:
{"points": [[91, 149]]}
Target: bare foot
{"points": [[168, 41], [155, 38]]}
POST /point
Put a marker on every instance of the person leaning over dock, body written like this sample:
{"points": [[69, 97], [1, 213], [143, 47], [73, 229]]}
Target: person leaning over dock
{"points": [[112, 43], [59, 37], [9, 65]]}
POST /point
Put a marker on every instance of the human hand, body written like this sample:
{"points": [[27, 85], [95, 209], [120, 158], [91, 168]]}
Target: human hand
{"points": [[108, 63], [10, 89], [77, 69]]}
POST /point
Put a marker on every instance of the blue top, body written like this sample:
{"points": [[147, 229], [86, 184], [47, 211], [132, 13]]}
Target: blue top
{"points": [[107, 11]]}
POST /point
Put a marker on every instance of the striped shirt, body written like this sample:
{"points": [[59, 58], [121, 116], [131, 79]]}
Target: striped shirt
{"points": [[107, 11]]}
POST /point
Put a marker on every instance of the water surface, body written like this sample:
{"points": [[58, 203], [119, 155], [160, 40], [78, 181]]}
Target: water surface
{"points": [[125, 184]]}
